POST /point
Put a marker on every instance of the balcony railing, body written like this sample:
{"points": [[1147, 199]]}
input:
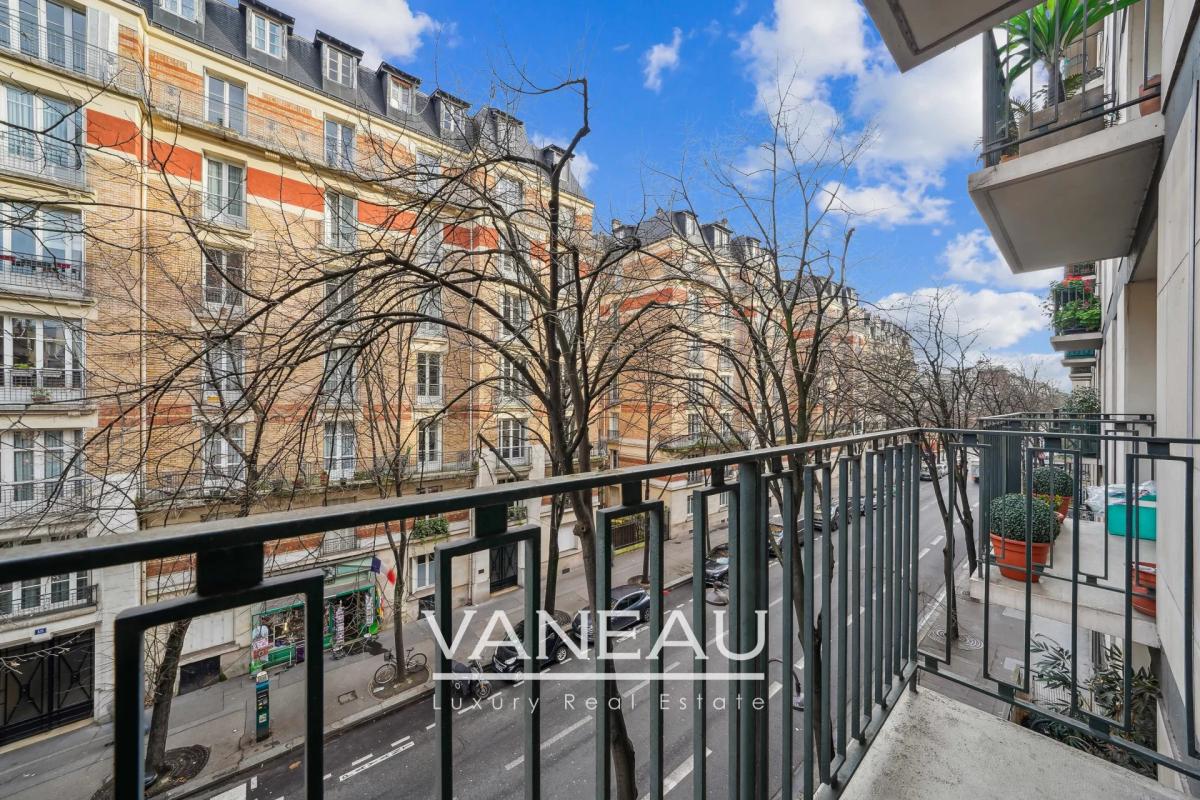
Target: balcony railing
{"points": [[21, 386], [18, 603], [41, 272], [1072, 89], [73, 54], [1076, 308], [39, 155], [31, 502], [846, 603]]}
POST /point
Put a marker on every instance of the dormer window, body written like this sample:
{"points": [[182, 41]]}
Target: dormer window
{"points": [[340, 67], [266, 35], [180, 8], [503, 127], [720, 238], [453, 119], [400, 95], [689, 225]]}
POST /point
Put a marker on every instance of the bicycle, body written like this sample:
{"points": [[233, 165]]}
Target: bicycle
{"points": [[386, 674]]}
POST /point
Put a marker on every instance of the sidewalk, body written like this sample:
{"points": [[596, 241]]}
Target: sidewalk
{"points": [[221, 717]]}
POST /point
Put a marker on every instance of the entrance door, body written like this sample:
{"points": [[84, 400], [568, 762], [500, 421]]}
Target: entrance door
{"points": [[46, 684], [503, 564]]}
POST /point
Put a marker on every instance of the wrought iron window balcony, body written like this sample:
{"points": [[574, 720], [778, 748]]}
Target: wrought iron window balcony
{"points": [[73, 54], [20, 603], [46, 386], [51, 499], [848, 595], [39, 155], [20, 271]]}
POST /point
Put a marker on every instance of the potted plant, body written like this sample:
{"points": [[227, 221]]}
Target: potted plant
{"points": [[1143, 579], [431, 528], [1054, 486], [1008, 534], [39, 395]]}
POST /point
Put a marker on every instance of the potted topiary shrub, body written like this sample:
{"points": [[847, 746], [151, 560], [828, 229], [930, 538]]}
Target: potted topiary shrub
{"points": [[1008, 534], [1054, 486]]}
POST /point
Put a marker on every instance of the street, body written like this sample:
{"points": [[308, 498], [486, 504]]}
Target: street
{"points": [[395, 755]]}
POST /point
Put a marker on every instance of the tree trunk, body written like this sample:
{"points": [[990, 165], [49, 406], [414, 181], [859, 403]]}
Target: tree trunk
{"points": [[556, 515], [400, 556], [164, 694]]}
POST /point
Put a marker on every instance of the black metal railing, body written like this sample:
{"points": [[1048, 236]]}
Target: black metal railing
{"points": [[65, 593], [30, 386], [70, 51], [41, 155], [46, 271], [1076, 308], [1073, 87], [850, 614], [49, 499]]}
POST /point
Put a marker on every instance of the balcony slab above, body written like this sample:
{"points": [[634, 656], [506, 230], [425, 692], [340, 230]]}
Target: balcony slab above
{"points": [[917, 30], [1075, 202], [1070, 360], [933, 747], [1101, 605], [1066, 342]]}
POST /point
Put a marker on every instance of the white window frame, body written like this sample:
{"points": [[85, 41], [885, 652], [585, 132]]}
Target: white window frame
{"points": [[340, 449], [341, 221], [431, 305], [429, 377], [512, 440], [266, 43], [422, 567], [452, 119], [508, 193], [223, 368], [43, 481], [400, 95], [340, 67], [510, 386], [339, 147], [429, 444], [339, 383], [219, 94], [614, 427], [73, 359], [51, 241], [224, 193], [179, 8], [223, 464], [216, 268]]}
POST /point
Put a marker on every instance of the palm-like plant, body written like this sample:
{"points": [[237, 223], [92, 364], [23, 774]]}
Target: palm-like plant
{"points": [[1042, 34]]}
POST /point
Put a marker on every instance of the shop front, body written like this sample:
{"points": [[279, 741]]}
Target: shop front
{"points": [[350, 613]]}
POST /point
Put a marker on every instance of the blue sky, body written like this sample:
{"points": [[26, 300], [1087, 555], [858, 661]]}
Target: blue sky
{"points": [[671, 82]]}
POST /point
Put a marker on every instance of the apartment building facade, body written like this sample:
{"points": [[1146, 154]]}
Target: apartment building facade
{"points": [[190, 331]]}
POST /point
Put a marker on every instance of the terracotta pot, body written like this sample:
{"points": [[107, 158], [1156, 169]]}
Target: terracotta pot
{"points": [[1010, 556], [1143, 576], [1151, 104], [1062, 507]]}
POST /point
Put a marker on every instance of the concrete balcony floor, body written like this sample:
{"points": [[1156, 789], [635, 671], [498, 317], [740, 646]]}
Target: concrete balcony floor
{"points": [[934, 747], [1101, 606]]}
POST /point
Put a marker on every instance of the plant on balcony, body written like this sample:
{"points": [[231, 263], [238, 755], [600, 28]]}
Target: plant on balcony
{"points": [[1103, 694], [1054, 486], [1082, 400], [1039, 38], [431, 528], [1081, 315], [1008, 534]]}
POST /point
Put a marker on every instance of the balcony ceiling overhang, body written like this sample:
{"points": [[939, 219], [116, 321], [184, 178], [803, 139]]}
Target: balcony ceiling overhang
{"points": [[1078, 361], [1092, 340], [1074, 202], [917, 30]]}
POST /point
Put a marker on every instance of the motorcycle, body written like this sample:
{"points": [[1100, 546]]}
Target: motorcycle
{"points": [[472, 683]]}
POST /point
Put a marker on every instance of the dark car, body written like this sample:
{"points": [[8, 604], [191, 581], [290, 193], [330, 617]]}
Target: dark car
{"points": [[621, 598], [507, 658], [716, 570]]}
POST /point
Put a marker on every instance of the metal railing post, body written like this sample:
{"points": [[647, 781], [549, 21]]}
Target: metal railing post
{"points": [[752, 722]]}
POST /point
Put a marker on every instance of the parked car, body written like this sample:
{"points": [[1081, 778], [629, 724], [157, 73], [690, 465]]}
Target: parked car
{"points": [[507, 657], [942, 470], [621, 598], [716, 570]]}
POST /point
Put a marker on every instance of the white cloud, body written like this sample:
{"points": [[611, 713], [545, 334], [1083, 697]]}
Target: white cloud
{"points": [[891, 204], [975, 258], [582, 166], [813, 58], [995, 320], [660, 58], [380, 28]]}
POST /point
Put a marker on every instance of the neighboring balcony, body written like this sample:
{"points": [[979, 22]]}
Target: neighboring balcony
{"points": [[917, 30], [57, 595], [1070, 155], [443, 463], [71, 53], [1078, 359], [59, 275], [34, 502], [40, 156], [429, 394], [20, 386], [1075, 317]]}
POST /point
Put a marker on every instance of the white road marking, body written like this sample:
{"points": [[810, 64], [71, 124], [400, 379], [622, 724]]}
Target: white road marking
{"points": [[400, 741], [558, 737], [518, 683], [236, 793], [775, 687], [936, 541], [430, 726], [328, 775], [924, 552], [678, 774], [377, 760], [776, 601], [254, 783], [637, 687], [358, 761]]}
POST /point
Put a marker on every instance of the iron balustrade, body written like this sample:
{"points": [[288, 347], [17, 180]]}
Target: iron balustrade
{"points": [[1081, 92], [72, 53], [857, 626], [1072, 295], [41, 155], [49, 499], [30, 386], [41, 271], [21, 603]]}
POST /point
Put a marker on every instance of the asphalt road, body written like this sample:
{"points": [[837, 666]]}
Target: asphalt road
{"points": [[395, 756]]}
